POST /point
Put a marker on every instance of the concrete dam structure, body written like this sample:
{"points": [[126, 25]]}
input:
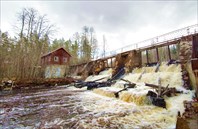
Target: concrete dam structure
{"points": [[168, 64], [179, 46], [152, 84]]}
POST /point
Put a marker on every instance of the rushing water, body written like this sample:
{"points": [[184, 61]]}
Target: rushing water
{"points": [[62, 107], [41, 108]]}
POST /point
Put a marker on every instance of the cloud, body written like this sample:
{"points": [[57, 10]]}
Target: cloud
{"points": [[122, 23]]}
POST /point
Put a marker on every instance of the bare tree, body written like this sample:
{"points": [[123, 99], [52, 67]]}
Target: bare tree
{"points": [[93, 42], [22, 17], [30, 23], [32, 43]]}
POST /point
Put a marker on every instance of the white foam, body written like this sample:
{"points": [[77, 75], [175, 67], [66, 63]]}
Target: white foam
{"points": [[145, 115]]}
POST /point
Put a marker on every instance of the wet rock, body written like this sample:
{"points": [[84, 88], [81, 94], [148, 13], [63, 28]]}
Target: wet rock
{"points": [[189, 117]]}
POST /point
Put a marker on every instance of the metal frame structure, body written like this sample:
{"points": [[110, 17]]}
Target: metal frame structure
{"points": [[168, 37]]}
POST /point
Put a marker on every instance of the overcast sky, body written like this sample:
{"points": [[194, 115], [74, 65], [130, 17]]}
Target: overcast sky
{"points": [[122, 23]]}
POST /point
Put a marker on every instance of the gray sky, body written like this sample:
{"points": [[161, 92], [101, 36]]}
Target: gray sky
{"points": [[122, 23]]}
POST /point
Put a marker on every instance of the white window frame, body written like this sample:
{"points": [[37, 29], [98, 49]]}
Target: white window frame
{"points": [[56, 58]]}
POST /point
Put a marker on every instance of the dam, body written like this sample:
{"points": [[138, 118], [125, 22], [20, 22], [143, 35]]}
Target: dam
{"points": [[123, 85]]}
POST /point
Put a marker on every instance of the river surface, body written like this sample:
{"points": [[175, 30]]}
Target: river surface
{"points": [[65, 108], [41, 108]]}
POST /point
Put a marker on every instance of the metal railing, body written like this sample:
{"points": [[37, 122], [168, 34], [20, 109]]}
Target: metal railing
{"points": [[174, 35]]}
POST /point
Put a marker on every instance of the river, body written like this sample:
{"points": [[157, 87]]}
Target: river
{"points": [[65, 108], [62, 107]]}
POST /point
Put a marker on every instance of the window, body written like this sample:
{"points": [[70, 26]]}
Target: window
{"points": [[56, 58], [49, 58], [64, 59]]}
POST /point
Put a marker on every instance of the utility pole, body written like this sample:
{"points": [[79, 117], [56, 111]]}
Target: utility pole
{"points": [[104, 43]]}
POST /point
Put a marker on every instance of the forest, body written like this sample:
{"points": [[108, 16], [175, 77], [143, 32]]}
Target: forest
{"points": [[20, 57]]}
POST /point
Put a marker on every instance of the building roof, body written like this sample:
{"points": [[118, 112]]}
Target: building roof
{"points": [[54, 51]]}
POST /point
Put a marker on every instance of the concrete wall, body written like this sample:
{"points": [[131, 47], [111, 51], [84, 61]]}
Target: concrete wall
{"points": [[193, 75], [133, 60], [55, 71], [185, 58]]}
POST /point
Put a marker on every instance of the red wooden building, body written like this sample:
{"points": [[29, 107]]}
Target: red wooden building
{"points": [[55, 63], [59, 56]]}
